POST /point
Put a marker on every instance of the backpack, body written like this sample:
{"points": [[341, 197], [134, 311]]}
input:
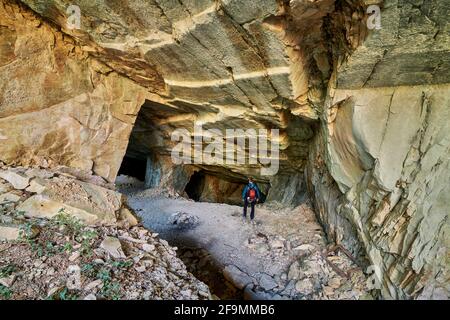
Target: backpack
{"points": [[252, 194]]}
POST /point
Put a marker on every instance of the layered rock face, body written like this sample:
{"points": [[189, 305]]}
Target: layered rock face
{"points": [[58, 105], [224, 65], [379, 167], [363, 113]]}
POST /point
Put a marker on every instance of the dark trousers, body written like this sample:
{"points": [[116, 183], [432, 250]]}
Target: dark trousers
{"points": [[252, 211]]}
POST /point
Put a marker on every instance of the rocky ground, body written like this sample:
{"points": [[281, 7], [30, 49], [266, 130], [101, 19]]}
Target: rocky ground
{"points": [[284, 256], [66, 236]]}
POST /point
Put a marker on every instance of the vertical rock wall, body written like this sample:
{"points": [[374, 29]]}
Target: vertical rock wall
{"points": [[379, 167], [365, 111], [58, 106]]}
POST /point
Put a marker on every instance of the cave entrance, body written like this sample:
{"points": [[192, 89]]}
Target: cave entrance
{"points": [[133, 167], [194, 187], [216, 187]]}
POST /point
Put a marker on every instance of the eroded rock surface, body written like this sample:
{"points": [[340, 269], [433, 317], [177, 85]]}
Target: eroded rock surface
{"points": [[71, 251], [362, 112]]}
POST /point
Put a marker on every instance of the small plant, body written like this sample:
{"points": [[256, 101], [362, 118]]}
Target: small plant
{"points": [[110, 289], [122, 264], [5, 292], [104, 275], [7, 270], [65, 295], [27, 231], [88, 269], [87, 237], [18, 214], [73, 225], [77, 230], [67, 247], [50, 248]]}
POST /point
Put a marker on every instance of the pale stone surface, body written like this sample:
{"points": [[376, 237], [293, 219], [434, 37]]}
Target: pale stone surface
{"points": [[82, 106], [128, 217], [37, 185], [18, 181], [8, 281], [389, 160], [43, 207], [9, 233], [9, 197], [113, 247], [236, 276]]}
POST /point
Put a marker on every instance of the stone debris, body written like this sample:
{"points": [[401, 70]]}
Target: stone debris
{"points": [[9, 197], [267, 283], [48, 192], [59, 256], [236, 276], [113, 247], [37, 185], [74, 277], [8, 281], [17, 180], [127, 219], [9, 233], [183, 220], [309, 275]]}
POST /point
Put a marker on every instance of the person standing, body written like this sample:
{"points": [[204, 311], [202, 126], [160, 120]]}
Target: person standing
{"points": [[250, 195]]}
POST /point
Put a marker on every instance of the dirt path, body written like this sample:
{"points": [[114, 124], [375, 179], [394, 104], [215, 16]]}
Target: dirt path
{"points": [[260, 261]]}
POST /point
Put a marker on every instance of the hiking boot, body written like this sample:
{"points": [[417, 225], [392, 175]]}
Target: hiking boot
{"points": [[253, 222], [244, 220]]}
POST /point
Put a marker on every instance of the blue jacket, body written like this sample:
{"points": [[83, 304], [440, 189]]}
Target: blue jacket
{"points": [[248, 187]]}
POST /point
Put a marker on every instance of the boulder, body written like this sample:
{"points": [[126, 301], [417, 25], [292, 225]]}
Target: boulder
{"points": [[236, 276], [93, 284], [37, 185], [41, 206], [127, 218], [267, 282], [183, 220], [304, 286], [9, 197], [294, 271], [304, 248], [113, 247], [148, 247], [74, 277], [4, 187], [96, 200], [277, 244], [8, 281], [9, 233], [18, 181]]}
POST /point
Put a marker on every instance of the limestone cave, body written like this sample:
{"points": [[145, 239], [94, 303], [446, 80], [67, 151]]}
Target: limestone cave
{"points": [[129, 130]]}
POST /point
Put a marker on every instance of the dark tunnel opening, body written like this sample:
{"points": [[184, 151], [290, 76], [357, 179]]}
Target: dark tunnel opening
{"points": [[194, 187], [133, 167], [205, 186]]}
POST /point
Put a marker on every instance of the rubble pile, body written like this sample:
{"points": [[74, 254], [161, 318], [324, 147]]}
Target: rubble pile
{"points": [[60, 245], [183, 220]]}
